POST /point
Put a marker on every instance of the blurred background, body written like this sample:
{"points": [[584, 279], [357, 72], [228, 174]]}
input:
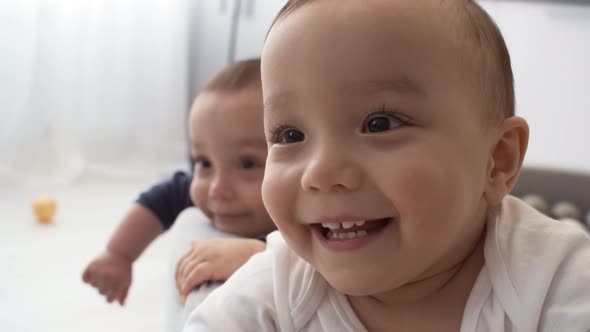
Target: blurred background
{"points": [[93, 102]]}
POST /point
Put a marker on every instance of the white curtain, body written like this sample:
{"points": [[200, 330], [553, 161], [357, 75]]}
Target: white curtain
{"points": [[92, 87]]}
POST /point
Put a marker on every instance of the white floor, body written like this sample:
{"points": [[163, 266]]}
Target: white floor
{"points": [[41, 265]]}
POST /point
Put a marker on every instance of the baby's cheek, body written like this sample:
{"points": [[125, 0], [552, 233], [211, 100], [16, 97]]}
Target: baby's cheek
{"points": [[198, 194], [424, 192], [252, 196], [275, 193]]}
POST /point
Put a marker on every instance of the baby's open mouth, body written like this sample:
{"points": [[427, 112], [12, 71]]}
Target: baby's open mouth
{"points": [[352, 229]]}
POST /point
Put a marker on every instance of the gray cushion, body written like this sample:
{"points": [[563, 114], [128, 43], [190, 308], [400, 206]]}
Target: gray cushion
{"points": [[555, 186]]}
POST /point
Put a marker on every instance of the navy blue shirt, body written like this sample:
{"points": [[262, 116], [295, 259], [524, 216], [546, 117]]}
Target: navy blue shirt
{"points": [[168, 198]]}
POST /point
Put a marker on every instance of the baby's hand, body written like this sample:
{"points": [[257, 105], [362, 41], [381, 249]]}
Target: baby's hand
{"points": [[111, 275], [213, 260]]}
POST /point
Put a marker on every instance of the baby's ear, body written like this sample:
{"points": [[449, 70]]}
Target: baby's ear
{"points": [[506, 158]]}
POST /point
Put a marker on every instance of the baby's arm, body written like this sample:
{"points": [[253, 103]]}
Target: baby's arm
{"points": [[213, 260], [155, 210], [111, 272]]}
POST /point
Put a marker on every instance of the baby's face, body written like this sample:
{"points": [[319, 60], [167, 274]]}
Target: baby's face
{"points": [[377, 150], [229, 151]]}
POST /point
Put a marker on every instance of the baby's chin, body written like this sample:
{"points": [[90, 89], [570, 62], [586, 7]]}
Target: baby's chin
{"points": [[239, 227], [360, 284], [225, 227]]}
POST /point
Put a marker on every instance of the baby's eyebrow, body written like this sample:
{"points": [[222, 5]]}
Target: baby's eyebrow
{"points": [[403, 85], [252, 142], [240, 142]]}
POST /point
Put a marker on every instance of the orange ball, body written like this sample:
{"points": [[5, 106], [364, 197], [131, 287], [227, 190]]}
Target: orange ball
{"points": [[44, 208]]}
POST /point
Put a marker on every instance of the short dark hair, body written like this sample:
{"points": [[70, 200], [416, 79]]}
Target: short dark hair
{"points": [[235, 77], [482, 35], [493, 58]]}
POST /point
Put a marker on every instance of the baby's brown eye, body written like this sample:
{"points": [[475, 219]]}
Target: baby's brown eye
{"points": [[248, 164], [381, 122], [290, 136], [202, 163]]}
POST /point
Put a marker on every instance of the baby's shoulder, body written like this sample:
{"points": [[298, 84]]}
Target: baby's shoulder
{"points": [[525, 236], [539, 268]]}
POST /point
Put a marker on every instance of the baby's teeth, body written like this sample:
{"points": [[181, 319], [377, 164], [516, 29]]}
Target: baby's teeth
{"points": [[345, 225], [333, 225], [352, 235], [361, 233], [342, 236], [348, 224]]}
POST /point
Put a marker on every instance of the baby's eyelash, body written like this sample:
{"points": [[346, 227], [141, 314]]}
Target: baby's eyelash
{"points": [[384, 109], [200, 159], [274, 133]]}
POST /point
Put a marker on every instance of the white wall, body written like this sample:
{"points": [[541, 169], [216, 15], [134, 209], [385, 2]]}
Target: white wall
{"points": [[550, 48]]}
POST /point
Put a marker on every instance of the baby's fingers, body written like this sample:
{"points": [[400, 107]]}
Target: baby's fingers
{"points": [[123, 296], [194, 253], [179, 274], [103, 285], [110, 295], [196, 276], [111, 291], [184, 268], [86, 275], [97, 281], [90, 275], [182, 262]]}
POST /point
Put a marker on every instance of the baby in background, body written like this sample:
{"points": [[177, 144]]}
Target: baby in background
{"points": [[228, 149], [393, 147]]}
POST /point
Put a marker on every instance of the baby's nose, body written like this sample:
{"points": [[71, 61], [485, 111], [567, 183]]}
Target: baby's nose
{"points": [[330, 169], [221, 188]]}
